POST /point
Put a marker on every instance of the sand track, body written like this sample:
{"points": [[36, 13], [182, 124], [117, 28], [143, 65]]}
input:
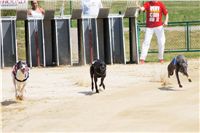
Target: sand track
{"points": [[59, 99]]}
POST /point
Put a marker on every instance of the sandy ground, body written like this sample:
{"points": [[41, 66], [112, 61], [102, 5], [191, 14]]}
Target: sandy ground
{"points": [[59, 99]]}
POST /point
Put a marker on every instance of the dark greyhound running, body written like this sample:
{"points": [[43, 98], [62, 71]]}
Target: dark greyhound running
{"points": [[179, 64], [98, 70]]}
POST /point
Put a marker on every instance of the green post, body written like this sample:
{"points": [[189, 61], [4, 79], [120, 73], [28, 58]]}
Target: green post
{"points": [[187, 37], [70, 8], [70, 11], [138, 31]]}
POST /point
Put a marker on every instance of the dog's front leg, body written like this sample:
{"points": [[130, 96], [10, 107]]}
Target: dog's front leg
{"points": [[15, 87], [177, 76], [22, 92], [102, 79], [95, 81], [188, 77], [92, 76], [92, 84], [17, 91]]}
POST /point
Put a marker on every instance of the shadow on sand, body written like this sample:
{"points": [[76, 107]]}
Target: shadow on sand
{"points": [[8, 102], [87, 93], [168, 88]]}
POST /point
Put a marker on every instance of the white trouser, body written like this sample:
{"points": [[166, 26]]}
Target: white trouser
{"points": [[147, 40]]}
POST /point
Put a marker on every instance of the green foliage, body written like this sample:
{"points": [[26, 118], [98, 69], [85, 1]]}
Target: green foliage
{"points": [[8, 13], [153, 57]]}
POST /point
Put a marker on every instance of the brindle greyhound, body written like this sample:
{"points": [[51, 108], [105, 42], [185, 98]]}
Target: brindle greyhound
{"points": [[98, 70], [179, 64]]}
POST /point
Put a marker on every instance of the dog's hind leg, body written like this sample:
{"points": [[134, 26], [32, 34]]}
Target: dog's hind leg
{"points": [[95, 81], [102, 79], [177, 76]]}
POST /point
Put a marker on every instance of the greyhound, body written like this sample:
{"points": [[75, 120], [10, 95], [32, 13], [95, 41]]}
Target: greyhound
{"points": [[98, 70], [179, 64], [20, 74]]}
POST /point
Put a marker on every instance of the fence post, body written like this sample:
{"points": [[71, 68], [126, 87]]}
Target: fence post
{"points": [[187, 37], [70, 11], [138, 36]]}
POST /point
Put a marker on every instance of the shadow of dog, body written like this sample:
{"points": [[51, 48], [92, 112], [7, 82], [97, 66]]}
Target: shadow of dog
{"points": [[8, 102]]}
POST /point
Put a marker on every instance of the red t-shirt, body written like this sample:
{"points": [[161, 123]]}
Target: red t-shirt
{"points": [[154, 11]]}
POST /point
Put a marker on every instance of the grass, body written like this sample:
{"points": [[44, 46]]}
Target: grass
{"points": [[152, 57], [21, 43], [178, 10], [176, 40]]}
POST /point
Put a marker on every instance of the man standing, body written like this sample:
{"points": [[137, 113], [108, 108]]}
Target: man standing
{"points": [[35, 10], [91, 7], [90, 12], [154, 11]]}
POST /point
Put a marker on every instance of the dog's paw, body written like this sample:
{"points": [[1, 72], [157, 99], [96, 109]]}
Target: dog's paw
{"points": [[104, 87], [180, 86], [17, 97], [20, 98]]}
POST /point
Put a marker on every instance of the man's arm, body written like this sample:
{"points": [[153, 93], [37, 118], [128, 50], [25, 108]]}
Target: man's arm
{"points": [[166, 19], [141, 8], [100, 4], [29, 12], [42, 10]]}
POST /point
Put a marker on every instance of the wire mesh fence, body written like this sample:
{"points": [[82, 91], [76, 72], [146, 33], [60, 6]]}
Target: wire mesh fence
{"points": [[180, 36]]}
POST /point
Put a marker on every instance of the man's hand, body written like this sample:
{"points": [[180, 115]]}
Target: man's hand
{"points": [[165, 23], [166, 20], [141, 8]]}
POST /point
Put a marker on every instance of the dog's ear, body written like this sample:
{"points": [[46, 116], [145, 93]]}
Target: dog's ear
{"points": [[18, 64], [170, 69]]}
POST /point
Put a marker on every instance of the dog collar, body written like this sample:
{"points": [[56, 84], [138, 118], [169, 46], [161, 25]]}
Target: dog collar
{"points": [[174, 61], [23, 79], [99, 74]]}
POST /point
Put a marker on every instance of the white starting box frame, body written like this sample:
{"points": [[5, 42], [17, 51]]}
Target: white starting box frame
{"points": [[8, 49]]}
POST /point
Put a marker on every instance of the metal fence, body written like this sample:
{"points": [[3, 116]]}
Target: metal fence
{"points": [[180, 37]]}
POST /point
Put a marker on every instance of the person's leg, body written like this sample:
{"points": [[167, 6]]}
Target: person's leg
{"points": [[145, 46], [161, 41]]}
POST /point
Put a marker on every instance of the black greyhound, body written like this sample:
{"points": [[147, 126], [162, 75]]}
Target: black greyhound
{"points": [[179, 64], [97, 70]]}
